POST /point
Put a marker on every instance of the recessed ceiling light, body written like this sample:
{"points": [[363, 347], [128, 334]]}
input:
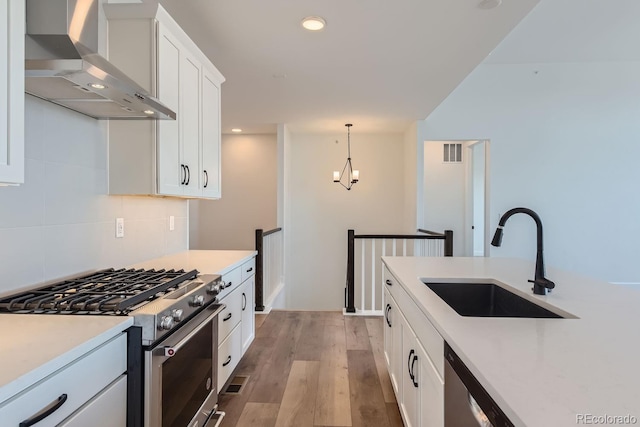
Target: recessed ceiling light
{"points": [[313, 23], [236, 130], [489, 4], [148, 112], [97, 86]]}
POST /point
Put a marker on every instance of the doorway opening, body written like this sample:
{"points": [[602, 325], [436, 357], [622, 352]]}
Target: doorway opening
{"points": [[456, 193]]}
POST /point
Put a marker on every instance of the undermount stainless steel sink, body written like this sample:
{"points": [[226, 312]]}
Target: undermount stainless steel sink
{"points": [[487, 300]]}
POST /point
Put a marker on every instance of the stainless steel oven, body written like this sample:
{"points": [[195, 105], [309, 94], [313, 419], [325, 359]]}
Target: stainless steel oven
{"points": [[180, 375]]}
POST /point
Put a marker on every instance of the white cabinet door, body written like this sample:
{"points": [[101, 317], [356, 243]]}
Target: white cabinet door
{"points": [[12, 21], [395, 317], [388, 338], [229, 354], [171, 174], [248, 320], [430, 391], [211, 177], [190, 80], [409, 402]]}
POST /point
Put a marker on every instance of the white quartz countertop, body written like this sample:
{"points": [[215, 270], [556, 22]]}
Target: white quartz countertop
{"points": [[205, 261], [36, 345], [541, 372]]}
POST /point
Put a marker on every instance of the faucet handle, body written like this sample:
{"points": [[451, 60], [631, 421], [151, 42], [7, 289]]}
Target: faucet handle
{"points": [[543, 282]]}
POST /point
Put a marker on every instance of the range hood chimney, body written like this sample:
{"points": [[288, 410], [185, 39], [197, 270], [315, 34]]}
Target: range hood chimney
{"points": [[62, 64]]}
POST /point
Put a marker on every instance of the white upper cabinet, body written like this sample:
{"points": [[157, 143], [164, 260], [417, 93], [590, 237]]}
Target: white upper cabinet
{"points": [[169, 158], [210, 136], [12, 27]]}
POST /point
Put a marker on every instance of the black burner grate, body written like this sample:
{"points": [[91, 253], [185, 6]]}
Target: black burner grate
{"points": [[103, 292]]}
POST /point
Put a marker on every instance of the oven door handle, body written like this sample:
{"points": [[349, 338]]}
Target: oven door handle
{"points": [[195, 330]]}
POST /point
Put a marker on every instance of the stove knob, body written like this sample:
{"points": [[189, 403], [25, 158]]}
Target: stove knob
{"points": [[214, 289], [176, 313], [197, 301], [166, 323]]}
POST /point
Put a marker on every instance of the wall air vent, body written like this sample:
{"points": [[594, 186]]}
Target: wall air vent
{"points": [[452, 153]]}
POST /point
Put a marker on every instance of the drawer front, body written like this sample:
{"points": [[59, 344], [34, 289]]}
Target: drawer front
{"points": [[108, 409], [231, 281], [231, 315], [248, 269], [79, 381], [229, 354]]}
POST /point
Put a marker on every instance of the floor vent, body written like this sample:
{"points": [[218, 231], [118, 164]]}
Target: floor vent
{"points": [[237, 384]]}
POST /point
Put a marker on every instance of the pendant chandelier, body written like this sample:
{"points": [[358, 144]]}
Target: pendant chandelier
{"points": [[348, 176]]}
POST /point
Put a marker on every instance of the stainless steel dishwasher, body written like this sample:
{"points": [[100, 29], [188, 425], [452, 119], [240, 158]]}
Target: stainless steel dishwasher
{"points": [[466, 402]]}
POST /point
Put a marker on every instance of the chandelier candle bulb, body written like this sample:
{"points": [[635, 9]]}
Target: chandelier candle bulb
{"points": [[336, 176], [356, 176]]}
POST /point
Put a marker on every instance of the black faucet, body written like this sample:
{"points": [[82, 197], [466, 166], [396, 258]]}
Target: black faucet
{"points": [[540, 283]]}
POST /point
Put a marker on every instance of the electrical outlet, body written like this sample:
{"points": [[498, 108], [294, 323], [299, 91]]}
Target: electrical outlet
{"points": [[172, 223], [119, 228]]}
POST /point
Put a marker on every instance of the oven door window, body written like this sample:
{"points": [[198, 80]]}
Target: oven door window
{"points": [[187, 379]]}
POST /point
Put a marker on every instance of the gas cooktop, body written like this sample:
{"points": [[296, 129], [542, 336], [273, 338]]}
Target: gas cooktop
{"points": [[110, 291]]}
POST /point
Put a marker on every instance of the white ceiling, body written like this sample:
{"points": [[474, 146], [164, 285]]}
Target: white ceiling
{"points": [[378, 64]]}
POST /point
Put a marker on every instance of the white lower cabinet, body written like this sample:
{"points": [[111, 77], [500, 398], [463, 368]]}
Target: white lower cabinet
{"points": [[64, 397], [393, 343], [248, 320], [413, 368], [236, 323], [229, 354], [430, 390]]}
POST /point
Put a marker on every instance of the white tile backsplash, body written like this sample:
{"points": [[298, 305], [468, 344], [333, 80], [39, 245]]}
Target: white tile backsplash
{"points": [[61, 222], [85, 138], [21, 256], [22, 206], [34, 130]]}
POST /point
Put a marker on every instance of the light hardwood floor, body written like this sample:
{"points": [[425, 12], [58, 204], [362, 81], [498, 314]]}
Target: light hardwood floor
{"points": [[310, 369]]}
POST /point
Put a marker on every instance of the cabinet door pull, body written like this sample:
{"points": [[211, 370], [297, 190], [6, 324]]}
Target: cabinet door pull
{"points": [[244, 301], [388, 282], [227, 318], [184, 174], [227, 362], [413, 375], [206, 179], [188, 175], [45, 412], [386, 314], [409, 364]]}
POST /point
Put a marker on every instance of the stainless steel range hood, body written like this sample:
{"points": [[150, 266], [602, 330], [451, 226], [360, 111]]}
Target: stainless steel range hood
{"points": [[62, 64]]}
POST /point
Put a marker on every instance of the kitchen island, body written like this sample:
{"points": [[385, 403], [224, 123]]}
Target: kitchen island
{"points": [[541, 372]]}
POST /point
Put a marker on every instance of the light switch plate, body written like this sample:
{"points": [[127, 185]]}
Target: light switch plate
{"points": [[172, 223], [119, 228]]}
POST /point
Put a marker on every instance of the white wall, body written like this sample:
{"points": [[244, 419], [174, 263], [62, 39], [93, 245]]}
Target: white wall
{"points": [[249, 195], [410, 224], [445, 193], [565, 143], [319, 212], [61, 222]]}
